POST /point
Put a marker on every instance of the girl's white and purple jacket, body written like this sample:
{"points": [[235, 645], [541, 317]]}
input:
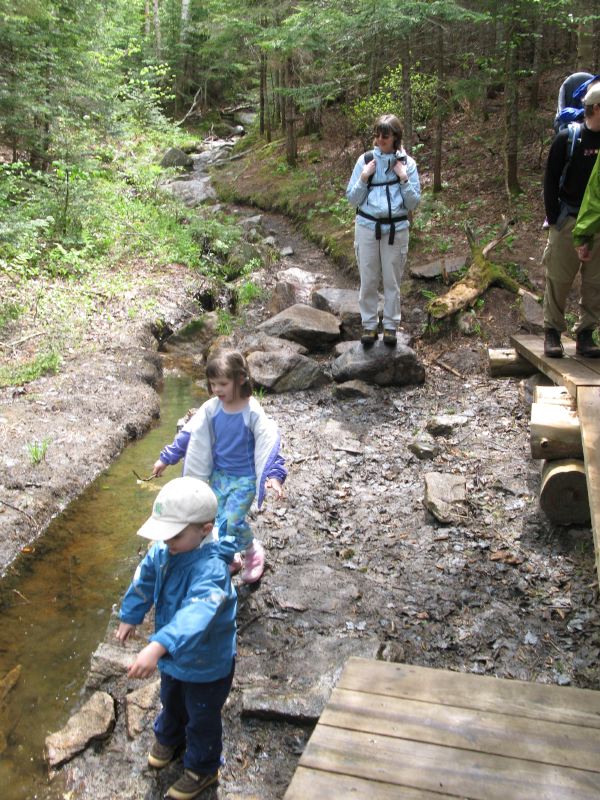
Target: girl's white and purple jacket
{"points": [[196, 440]]}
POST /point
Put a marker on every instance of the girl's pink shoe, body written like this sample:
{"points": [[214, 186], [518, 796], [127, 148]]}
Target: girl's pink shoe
{"points": [[236, 564], [254, 562]]}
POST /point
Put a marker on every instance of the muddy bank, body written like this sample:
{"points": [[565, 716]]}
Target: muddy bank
{"points": [[357, 565]]}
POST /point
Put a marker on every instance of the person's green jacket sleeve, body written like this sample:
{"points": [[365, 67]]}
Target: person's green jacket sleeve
{"points": [[588, 219]]}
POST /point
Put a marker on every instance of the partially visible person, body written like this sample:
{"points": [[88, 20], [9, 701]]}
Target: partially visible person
{"points": [[563, 197], [384, 187], [185, 576], [234, 446], [570, 99]]}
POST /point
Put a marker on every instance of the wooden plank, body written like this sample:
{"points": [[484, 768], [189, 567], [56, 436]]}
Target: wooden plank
{"points": [[588, 404], [485, 732], [569, 705], [309, 784], [568, 371], [465, 773], [505, 362], [554, 395]]}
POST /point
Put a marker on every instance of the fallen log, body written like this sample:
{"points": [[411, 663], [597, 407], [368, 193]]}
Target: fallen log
{"points": [[563, 492], [555, 432], [480, 275], [505, 362]]}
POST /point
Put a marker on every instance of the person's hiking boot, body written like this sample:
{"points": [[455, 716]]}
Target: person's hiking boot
{"points": [[552, 345], [190, 785], [585, 344], [254, 562], [369, 337], [160, 755], [389, 336], [236, 565]]}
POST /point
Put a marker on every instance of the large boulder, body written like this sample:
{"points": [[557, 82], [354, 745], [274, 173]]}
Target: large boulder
{"points": [[294, 285], [308, 326], [285, 371], [342, 303], [191, 191], [380, 364], [270, 344], [174, 157]]}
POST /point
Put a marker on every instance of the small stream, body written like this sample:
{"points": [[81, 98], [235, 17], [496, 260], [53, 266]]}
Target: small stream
{"points": [[57, 601]]}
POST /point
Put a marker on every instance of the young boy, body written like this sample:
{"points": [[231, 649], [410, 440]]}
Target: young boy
{"points": [[186, 576]]}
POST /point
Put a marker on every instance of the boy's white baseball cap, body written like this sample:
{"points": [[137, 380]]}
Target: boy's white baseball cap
{"points": [[179, 502]]}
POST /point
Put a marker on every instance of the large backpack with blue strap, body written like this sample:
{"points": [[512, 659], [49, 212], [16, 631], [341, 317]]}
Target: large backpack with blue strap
{"points": [[389, 220], [573, 139]]}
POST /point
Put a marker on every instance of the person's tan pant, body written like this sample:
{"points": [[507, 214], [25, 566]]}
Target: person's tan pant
{"points": [[562, 265], [376, 258]]}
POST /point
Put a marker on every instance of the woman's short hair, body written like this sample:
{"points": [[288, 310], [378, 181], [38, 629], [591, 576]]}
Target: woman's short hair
{"points": [[390, 124], [231, 365]]}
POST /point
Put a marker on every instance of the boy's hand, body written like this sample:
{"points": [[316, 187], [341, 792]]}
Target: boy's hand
{"points": [[124, 631], [158, 468], [273, 483], [146, 661]]}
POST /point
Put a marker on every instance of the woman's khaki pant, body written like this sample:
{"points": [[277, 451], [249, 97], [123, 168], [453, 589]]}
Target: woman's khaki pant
{"points": [[378, 259]]}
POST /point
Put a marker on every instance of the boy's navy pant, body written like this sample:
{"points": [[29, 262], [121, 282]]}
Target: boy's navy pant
{"points": [[191, 714]]}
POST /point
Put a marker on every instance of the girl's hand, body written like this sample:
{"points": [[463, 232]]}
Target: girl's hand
{"points": [[273, 483], [146, 661], [583, 252], [158, 468], [368, 170], [124, 632]]}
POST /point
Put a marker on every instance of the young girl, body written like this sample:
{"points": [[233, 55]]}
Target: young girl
{"points": [[231, 444]]}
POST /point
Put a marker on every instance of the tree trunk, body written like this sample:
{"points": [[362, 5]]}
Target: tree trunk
{"points": [[439, 112], [554, 431], [263, 92], [511, 113], [406, 94], [291, 144], [182, 72], [157, 35], [585, 37], [147, 19], [538, 41]]}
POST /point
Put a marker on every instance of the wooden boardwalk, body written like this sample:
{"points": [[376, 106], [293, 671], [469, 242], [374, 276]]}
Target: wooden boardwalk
{"points": [[395, 731], [581, 377]]}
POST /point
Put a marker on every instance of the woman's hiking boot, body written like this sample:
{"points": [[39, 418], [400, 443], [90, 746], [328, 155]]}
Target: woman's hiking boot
{"points": [[369, 337], [389, 336], [585, 344], [254, 562], [552, 345], [190, 785], [160, 755]]}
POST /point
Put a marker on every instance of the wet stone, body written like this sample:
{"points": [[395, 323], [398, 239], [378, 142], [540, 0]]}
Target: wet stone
{"points": [[94, 720], [139, 705], [445, 424], [350, 390], [445, 495], [313, 328], [424, 447]]}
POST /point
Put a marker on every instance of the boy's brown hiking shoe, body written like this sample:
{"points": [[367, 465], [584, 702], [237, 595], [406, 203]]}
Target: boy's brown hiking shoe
{"points": [[190, 785], [160, 755], [390, 337]]}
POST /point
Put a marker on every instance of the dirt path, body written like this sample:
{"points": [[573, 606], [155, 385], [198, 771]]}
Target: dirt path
{"points": [[356, 565]]}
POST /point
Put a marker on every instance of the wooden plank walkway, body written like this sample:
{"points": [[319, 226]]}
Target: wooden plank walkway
{"points": [[581, 377], [393, 731]]}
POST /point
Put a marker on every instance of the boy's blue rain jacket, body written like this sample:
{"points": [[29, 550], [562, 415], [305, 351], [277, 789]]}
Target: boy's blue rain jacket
{"points": [[195, 608]]}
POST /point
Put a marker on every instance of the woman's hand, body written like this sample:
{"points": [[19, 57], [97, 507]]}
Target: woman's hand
{"points": [[583, 252], [368, 170], [400, 170]]}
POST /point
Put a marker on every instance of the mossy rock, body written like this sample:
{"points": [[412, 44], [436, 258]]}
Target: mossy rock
{"points": [[238, 259]]}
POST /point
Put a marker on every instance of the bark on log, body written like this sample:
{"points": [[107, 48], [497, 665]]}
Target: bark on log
{"points": [[563, 492], [506, 363], [555, 432], [481, 274]]}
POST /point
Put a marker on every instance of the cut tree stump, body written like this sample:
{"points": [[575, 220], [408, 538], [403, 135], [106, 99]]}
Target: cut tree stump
{"points": [[563, 493], [480, 275], [555, 431]]}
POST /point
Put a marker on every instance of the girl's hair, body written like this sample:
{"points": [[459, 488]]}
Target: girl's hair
{"points": [[390, 124], [231, 365]]}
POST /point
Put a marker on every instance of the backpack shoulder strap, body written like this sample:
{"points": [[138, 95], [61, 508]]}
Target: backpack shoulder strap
{"points": [[573, 139], [368, 156]]}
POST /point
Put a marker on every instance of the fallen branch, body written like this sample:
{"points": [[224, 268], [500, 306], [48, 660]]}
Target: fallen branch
{"points": [[480, 275], [15, 508]]}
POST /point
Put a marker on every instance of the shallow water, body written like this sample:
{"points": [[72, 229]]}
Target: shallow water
{"points": [[57, 602]]}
